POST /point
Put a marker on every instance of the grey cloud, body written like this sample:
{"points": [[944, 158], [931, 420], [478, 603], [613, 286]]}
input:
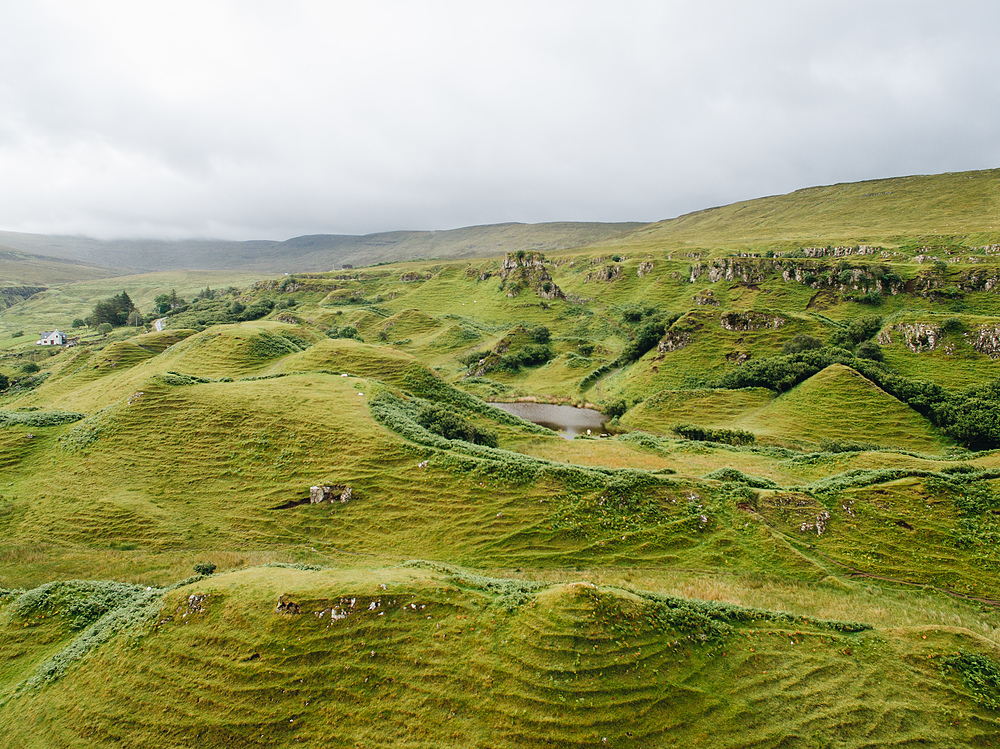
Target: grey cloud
{"points": [[243, 120]]}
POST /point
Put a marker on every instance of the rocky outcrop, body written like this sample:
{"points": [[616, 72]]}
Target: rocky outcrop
{"points": [[814, 273], [479, 275], [750, 320], [986, 340], [644, 268], [334, 493], [606, 273], [863, 249], [673, 341], [706, 298], [526, 270], [917, 337]]}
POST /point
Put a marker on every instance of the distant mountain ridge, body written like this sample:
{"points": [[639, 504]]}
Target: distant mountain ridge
{"points": [[956, 208], [316, 252]]}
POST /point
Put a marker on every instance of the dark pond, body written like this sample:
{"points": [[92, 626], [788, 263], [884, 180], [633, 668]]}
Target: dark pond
{"points": [[567, 420]]}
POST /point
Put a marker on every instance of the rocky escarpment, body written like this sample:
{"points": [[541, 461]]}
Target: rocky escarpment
{"points": [[920, 337], [522, 271], [863, 249], [917, 337], [817, 274], [11, 295], [986, 340]]}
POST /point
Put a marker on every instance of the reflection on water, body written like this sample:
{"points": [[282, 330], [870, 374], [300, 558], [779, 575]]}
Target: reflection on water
{"points": [[567, 420]]}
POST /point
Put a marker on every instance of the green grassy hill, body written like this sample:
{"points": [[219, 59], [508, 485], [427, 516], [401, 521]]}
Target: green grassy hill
{"points": [[840, 405], [935, 210], [814, 563]]}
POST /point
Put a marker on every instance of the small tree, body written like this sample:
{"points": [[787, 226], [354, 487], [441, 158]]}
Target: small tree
{"points": [[104, 328], [135, 318], [78, 323], [204, 568]]}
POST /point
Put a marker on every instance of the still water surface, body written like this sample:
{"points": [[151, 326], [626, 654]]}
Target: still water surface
{"points": [[567, 420]]}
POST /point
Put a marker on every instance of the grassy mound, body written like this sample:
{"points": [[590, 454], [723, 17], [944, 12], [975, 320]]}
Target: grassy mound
{"points": [[158, 342], [236, 350], [351, 357], [839, 404]]}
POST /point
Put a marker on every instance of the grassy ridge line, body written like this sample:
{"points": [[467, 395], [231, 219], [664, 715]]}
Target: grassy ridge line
{"points": [[933, 208]]}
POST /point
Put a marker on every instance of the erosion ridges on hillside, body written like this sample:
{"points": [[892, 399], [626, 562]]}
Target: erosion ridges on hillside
{"points": [[415, 655]]}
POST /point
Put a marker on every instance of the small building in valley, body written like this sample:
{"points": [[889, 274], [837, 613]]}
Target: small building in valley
{"points": [[55, 338]]}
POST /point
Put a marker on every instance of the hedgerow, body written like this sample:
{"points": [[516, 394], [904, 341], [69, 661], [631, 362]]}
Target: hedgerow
{"points": [[704, 434]]}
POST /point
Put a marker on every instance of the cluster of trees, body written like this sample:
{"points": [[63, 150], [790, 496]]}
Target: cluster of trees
{"points": [[345, 331], [116, 311]]}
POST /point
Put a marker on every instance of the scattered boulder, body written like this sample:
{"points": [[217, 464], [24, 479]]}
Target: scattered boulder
{"points": [[335, 493], [286, 605], [644, 268]]}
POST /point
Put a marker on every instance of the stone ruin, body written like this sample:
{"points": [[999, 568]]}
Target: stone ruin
{"points": [[336, 493]]}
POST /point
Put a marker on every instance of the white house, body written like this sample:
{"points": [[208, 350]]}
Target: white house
{"points": [[55, 338]]}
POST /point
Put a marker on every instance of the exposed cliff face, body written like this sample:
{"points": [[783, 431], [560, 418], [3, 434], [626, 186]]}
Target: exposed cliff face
{"points": [[986, 340], [814, 273], [917, 337], [920, 337], [863, 249], [526, 271]]}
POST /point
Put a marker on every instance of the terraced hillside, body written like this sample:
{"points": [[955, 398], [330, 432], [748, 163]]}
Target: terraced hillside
{"points": [[786, 537]]}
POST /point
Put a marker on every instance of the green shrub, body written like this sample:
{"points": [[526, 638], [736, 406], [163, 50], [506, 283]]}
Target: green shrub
{"points": [[733, 476], [801, 343], [204, 568], [345, 331], [980, 674], [448, 424], [725, 436], [857, 330], [869, 350]]}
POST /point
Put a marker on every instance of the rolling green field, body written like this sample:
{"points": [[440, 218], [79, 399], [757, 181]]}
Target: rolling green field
{"points": [[787, 538]]}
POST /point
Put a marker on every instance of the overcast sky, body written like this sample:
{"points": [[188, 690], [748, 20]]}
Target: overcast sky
{"points": [[270, 120]]}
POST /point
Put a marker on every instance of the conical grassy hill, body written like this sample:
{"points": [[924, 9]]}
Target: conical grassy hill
{"points": [[841, 405]]}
